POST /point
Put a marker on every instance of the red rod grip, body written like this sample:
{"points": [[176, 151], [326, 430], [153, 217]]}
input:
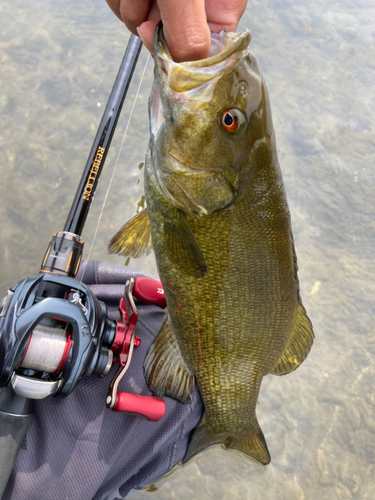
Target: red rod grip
{"points": [[149, 407], [150, 291]]}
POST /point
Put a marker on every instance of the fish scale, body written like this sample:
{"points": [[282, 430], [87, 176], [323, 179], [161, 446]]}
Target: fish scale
{"points": [[229, 406]]}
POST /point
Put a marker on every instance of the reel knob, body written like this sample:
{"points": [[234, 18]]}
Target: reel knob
{"points": [[148, 407]]}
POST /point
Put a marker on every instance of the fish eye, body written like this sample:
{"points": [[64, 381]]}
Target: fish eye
{"points": [[232, 119]]}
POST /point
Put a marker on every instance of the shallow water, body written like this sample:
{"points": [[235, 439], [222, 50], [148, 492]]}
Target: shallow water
{"points": [[58, 62]]}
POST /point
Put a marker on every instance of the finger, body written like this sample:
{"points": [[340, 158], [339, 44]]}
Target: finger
{"points": [[146, 33], [222, 14], [185, 29], [146, 30], [114, 5], [131, 13]]}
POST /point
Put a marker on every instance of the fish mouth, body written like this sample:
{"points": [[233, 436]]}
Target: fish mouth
{"points": [[190, 85], [227, 49]]}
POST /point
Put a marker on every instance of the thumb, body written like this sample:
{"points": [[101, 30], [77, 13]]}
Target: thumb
{"points": [[185, 29]]}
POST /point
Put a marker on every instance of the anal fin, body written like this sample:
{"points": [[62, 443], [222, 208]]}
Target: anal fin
{"points": [[252, 444], [165, 369], [298, 346], [134, 238]]}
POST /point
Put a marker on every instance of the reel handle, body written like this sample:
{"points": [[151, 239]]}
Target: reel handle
{"points": [[148, 407]]}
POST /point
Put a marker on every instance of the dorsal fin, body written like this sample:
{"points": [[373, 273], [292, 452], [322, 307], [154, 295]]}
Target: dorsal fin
{"points": [[298, 346]]}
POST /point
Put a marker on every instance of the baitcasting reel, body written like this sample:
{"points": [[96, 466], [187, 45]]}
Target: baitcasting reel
{"points": [[53, 331]]}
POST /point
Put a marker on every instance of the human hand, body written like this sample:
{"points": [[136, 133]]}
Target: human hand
{"points": [[186, 23]]}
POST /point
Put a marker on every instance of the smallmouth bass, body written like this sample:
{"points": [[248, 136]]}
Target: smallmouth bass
{"points": [[218, 221]]}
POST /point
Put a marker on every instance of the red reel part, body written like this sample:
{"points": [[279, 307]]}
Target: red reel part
{"points": [[149, 407], [150, 291]]}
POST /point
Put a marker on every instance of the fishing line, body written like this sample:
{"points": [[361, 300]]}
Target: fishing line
{"points": [[115, 167]]}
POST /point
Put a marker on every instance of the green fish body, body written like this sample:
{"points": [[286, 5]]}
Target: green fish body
{"points": [[221, 232]]}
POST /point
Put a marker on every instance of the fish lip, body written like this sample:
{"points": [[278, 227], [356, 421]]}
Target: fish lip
{"points": [[231, 42], [200, 77]]}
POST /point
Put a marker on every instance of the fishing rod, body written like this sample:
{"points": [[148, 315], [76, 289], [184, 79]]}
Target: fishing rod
{"points": [[53, 330]]}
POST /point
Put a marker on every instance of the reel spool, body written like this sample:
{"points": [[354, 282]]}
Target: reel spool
{"points": [[47, 349]]}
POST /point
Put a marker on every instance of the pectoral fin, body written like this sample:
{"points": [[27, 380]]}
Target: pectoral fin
{"points": [[165, 369], [298, 346], [134, 238], [182, 246]]}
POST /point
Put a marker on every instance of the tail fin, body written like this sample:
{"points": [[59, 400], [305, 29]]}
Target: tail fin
{"points": [[252, 444]]}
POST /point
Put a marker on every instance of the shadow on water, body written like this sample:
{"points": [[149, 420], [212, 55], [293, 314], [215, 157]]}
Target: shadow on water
{"points": [[57, 68]]}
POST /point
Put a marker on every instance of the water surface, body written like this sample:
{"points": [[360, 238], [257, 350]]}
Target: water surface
{"points": [[58, 61]]}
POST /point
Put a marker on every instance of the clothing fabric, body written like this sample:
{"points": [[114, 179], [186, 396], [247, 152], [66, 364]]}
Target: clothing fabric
{"points": [[76, 448]]}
